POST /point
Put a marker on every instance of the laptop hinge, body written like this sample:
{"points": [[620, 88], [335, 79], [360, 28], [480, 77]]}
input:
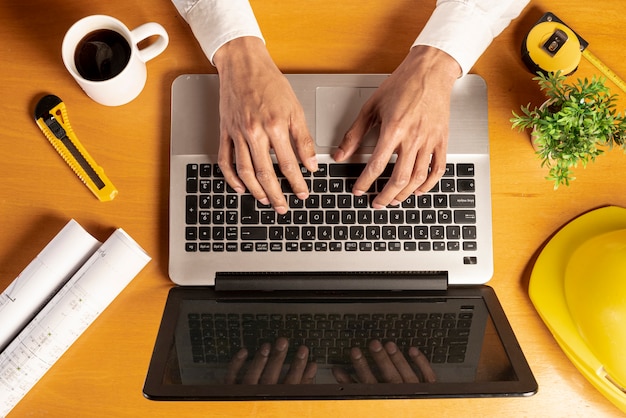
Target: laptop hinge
{"points": [[427, 280]]}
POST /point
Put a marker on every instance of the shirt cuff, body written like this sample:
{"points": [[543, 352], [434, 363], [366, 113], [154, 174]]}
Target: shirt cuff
{"points": [[215, 23], [454, 29]]}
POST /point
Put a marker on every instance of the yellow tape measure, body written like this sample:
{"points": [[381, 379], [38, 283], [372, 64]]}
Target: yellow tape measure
{"points": [[552, 46], [51, 117]]}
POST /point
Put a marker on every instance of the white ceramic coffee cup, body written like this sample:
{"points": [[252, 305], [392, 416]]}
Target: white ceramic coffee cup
{"points": [[126, 85]]}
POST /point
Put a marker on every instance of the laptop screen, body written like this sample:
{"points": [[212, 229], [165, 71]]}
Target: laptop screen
{"points": [[251, 347]]}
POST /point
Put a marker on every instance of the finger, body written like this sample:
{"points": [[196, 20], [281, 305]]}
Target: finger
{"points": [[373, 169], [235, 366], [288, 163], [309, 373], [341, 375], [226, 163], [362, 369], [418, 177], [298, 365], [399, 181], [245, 169], [303, 142], [375, 166], [259, 361], [275, 363], [437, 170], [354, 136], [399, 361], [422, 363], [265, 175], [388, 371]]}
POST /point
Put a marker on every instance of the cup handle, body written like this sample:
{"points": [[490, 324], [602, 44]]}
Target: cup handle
{"points": [[144, 32]]}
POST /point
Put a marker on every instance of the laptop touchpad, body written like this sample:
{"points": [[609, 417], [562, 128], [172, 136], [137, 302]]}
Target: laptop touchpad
{"points": [[336, 110]]}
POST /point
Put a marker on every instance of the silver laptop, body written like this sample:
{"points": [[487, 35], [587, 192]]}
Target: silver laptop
{"points": [[333, 274], [444, 235]]}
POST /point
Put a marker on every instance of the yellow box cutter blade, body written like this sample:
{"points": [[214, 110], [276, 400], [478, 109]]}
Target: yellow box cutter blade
{"points": [[51, 117]]}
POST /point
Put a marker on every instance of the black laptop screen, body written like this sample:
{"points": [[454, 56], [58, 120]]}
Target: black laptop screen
{"points": [[364, 345]]}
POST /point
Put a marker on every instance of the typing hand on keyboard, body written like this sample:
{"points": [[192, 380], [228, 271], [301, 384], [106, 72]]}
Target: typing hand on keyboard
{"points": [[259, 112], [391, 366], [412, 107]]}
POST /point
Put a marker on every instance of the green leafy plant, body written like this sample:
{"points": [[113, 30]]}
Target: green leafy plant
{"points": [[573, 126]]}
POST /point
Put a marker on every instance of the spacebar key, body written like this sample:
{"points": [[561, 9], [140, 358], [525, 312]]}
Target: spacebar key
{"points": [[253, 233], [346, 170]]}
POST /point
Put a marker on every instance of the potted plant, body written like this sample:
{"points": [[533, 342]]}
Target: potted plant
{"points": [[574, 124]]}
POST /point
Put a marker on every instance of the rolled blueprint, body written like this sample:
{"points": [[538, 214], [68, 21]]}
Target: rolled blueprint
{"points": [[50, 270], [67, 315]]}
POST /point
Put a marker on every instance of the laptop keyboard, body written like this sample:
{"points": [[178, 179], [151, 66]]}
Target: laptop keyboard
{"points": [[332, 218], [441, 336]]}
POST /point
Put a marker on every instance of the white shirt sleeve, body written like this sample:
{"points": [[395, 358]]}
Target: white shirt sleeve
{"points": [[461, 28], [216, 22], [465, 28]]}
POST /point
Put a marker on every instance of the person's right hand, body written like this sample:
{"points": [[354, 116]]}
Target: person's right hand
{"points": [[393, 366], [259, 112]]}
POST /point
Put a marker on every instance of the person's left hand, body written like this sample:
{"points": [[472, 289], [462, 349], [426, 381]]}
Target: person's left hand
{"points": [[267, 364], [412, 107]]}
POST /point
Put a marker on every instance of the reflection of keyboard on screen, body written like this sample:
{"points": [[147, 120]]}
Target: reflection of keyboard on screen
{"points": [[332, 218], [441, 336]]}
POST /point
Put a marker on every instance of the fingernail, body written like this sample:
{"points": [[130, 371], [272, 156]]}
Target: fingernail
{"points": [[240, 190], [358, 192], [281, 344], [264, 201], [339, 154], [391, 348], [265, 350], [313, 164], [281, 210], [376, 346], [395, 202], [378, 206], [302, 353], [302, 195]]}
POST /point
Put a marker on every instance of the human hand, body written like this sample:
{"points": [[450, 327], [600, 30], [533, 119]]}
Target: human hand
{"points": [[267, 364], [412, 107], [393, 366], [259, 112]]}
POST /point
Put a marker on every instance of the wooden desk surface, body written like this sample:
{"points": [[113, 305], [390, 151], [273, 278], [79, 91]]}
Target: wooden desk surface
{"points": [[103, 372]]}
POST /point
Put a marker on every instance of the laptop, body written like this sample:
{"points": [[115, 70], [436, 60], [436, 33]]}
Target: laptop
{"points": [[333, 274]]}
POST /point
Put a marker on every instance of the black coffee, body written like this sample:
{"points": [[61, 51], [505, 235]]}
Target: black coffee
{"points": [[101, 55]]}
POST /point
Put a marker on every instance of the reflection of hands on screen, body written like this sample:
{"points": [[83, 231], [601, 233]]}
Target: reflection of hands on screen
{"points": [[392, 365], [265, 368], [267, 364]]}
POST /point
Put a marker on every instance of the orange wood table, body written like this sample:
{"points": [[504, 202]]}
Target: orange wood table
{"points": [[102, 374]]}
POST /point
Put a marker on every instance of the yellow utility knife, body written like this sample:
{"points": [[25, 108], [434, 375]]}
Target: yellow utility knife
{"points": [[51, 117]]}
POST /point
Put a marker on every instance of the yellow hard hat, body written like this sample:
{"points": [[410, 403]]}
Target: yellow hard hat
{"points": [[595, 291], [578, 286]]}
